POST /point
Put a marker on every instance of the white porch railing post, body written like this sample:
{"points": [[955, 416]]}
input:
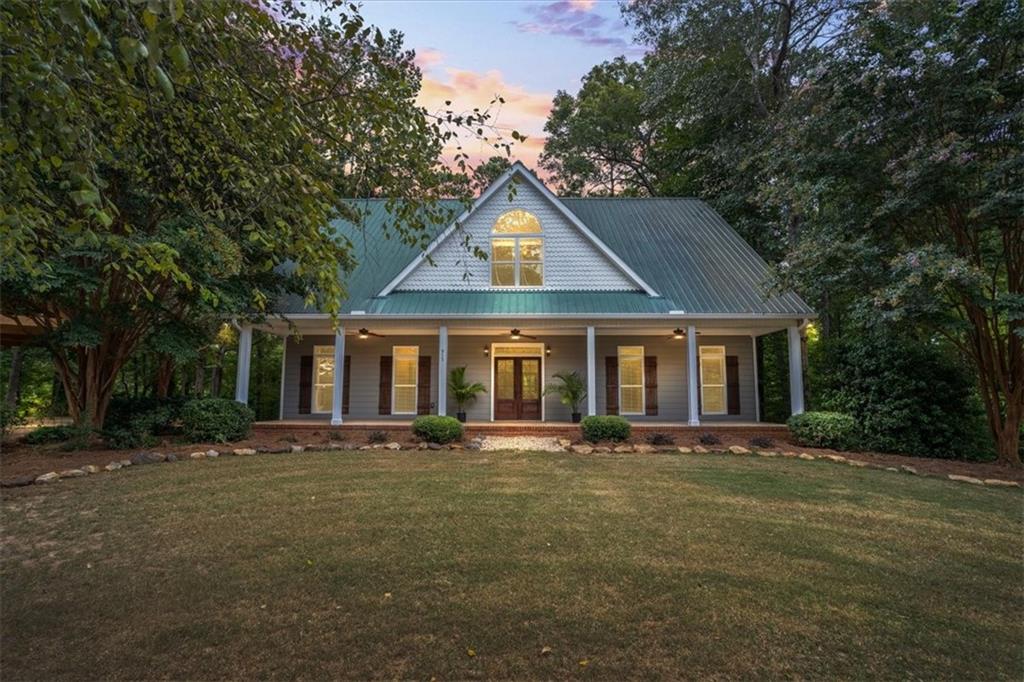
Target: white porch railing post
{"points": [[796, 371], [442, 370], [337, 389], [591, 372], [691, 375], [244, 363]]}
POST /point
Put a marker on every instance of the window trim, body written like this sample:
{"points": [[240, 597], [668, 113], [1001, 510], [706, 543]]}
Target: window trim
{"points": [[642, 385], [517, 261], [415, 384], [313, 382], [719, 354]]}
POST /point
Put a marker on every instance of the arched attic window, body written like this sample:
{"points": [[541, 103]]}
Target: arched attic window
{"points": [[517, 260]]}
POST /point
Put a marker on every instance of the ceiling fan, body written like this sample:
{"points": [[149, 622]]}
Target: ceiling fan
{"points": [[365, 333], [516, 335], [677, 334]]}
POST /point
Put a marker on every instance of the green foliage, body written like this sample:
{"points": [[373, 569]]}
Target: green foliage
{"points": [[377, 437], [596, 428], [10, 418], [660, 439], [906, 396], [570, 389], [708, 438], [215, 420], [489, 171], [50, 434], [435, 429], [463, 392], [135, 423], [824, 430]]}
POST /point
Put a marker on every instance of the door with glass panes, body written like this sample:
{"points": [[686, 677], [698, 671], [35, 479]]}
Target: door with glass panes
{"points": [[517, 388]]}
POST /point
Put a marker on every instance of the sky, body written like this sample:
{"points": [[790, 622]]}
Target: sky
{"points": [[471, 50]]}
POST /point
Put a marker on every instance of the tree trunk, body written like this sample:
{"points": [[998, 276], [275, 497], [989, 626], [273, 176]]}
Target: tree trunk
{"points": [[198, 378], [14, 381], [89, 381], [164, 376], [218, 371]]}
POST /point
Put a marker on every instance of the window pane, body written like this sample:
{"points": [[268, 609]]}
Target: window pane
{"points": [[503, 249], [405, 399], [712, 371], [517, 221], [631, 350], [505, 377], [323, 398], [531, 373], [713, 399], [632, 398], [531, 275], [531, 249], [503, 274], [631, 371]]}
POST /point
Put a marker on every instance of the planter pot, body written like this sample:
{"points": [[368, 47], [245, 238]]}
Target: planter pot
{"points": [[576, 417], [461, 416]]}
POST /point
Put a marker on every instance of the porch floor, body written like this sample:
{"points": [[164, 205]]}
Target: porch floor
{"points": [[507, 424]]}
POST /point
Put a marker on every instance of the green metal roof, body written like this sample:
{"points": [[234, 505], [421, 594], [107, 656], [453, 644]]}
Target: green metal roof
{"points": [[681, 247]]}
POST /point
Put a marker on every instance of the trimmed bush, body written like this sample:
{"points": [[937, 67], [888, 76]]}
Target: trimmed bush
{"points": [[50, 434], [658, 438], [216, 419], [377, 437], [9, 419], [709, 439], [598, 428], [761, 442], [135, 423], [435, 429], [824, 430]]}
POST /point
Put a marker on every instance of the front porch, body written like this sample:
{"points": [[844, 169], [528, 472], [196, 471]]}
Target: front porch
{"points": [[383, 373]]}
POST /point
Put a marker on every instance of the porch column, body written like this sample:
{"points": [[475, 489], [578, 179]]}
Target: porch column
{"points": [[796, 372], [691, 375], [244, 362], [337, 389], [442, 370], [757, 382], [591, 372]]}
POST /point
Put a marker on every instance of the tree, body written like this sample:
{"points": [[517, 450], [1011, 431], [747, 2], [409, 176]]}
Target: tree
{"points": [[906, 155], [489, 171], [162, 166], [601, 141]]}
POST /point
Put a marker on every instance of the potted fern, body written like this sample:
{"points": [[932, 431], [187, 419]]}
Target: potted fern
{"points": [[463, 392], [571, 392]]}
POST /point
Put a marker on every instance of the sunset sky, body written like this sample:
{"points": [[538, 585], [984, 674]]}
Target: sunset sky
{"points": [[470, 51]]}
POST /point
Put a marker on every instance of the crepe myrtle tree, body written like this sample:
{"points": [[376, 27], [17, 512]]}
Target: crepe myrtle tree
{"points": [[163, 160]]}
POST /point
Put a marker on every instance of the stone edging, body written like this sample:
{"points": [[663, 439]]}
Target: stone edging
{"points": [[564, 445]]}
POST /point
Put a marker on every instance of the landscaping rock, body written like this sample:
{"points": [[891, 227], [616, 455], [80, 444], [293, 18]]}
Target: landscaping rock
{"points": [[18, 481], [700, 449], [377, 446], [91, 469], [835, 458], [171, 458], [603, 449], [767, 453], [434, 446], [393, 446], [581, 449], [197, 455], [804, 455], [966, 479], [685, 450], [644, 449], [908, 470], [623, 448], [564, 442], [126, 462], [147, 458], [113, 466], [243, 451], [366, 447], [277, 450], [51, 477], [72, 473], [297, 448], [456, 446], [473, 445], [855, 463], [1001, 483], [212, 453], [738, 450]]}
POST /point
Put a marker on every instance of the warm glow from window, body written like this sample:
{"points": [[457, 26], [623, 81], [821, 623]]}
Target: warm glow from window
{"points": [[631, 379], [406, 366], [517, 222], [323, 378], [712, 380]]}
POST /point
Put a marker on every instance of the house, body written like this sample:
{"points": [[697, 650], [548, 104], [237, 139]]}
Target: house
{"points": [[656, 302]]}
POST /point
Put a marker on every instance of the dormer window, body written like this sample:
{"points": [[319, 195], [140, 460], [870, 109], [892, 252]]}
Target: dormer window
{"points": [[517, 261]]}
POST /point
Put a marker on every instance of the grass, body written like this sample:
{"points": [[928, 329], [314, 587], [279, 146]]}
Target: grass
{"points": [[412, 565]]}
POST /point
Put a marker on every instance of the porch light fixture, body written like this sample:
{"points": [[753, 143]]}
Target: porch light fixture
{"points": [[547, 350], [364, 333], [678, 333], [487, 351]]}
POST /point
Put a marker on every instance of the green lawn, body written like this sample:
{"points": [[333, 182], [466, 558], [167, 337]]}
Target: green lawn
{"points": [[465, 565]]}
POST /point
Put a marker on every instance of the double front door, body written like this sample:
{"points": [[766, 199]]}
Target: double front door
{"points": [[517, 388]]}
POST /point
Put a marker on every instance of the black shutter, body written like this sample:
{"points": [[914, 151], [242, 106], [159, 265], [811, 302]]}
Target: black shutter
{"points": [[305, 384], [423, 386], [732, 383], [650, 385], [384, 390], [611, 384]]}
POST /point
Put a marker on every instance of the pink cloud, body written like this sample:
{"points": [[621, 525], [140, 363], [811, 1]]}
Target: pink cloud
{"points": [[428, 57], [574, 19]]}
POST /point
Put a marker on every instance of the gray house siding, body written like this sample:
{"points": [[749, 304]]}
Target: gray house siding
{"points": [[568, 353]]}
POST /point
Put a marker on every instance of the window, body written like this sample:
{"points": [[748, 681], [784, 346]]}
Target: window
{"points": [[323, 378], [712, 380], [405, 372], [517, 261], [631, 379]]}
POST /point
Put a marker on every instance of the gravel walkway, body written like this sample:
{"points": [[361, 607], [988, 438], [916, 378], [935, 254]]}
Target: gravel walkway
{"points": [[521, 443]]}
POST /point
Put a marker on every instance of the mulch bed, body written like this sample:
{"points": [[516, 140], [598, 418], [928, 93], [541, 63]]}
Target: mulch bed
{"points": [[17, 459]]}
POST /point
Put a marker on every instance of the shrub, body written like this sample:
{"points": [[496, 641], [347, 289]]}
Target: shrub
{"points": [[598, 428], [824, 430], [132, 423], [660, 439], [709, 439], [377, 437], [761, 442], [50, 434], [435, 429], [9, 418], [216, 419]]}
